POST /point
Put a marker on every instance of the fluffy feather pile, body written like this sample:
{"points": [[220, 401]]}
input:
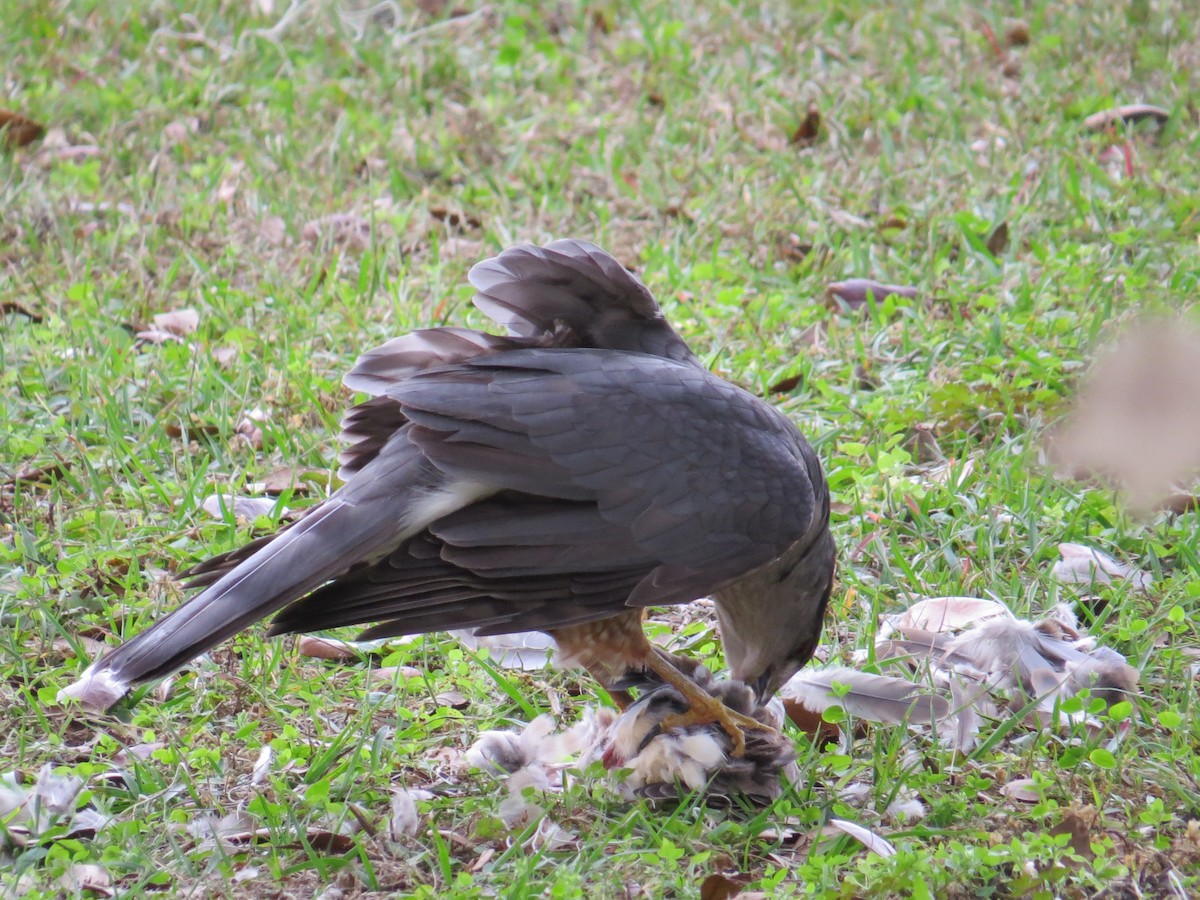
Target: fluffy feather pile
{"points": [[964, 661], [982, 660], [646, 761]]}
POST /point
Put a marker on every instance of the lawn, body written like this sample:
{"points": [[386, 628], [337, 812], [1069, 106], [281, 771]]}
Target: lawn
{"points": [[311, 178]]}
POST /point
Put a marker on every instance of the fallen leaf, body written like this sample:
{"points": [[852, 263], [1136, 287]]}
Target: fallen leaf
{"points": [[38, 473], [997, 241], [326, 648], [273, 230], [857, 292], [1081, 564], [809, 128], [90, 646], [88, 877], [454, 218], [297, 479], [249, 433], [1021, 789], [12, 306], [18, 131], [924, 444], [223, 356], [786, 385], [342, 229], [178, 322], [389, 673], [722, 887], [320, 839], [452, 699], [811, 722], [1130, 113], [1080, 830], [192, 427], [1016, 32]]}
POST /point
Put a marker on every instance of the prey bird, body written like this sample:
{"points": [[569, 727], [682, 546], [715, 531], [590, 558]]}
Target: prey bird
{"points": [[560, 478]]}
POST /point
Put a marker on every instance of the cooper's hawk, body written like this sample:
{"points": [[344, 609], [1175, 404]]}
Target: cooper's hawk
{"points": [[561, 478]]}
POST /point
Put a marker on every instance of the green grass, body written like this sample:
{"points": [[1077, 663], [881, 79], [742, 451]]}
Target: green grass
{"points": [[190, 161]]}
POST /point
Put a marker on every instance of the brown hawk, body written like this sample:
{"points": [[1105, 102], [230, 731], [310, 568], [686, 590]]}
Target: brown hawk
{"points": [[560, 478]]}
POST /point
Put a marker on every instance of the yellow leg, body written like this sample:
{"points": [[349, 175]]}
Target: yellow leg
{"points": [[703, 707]]}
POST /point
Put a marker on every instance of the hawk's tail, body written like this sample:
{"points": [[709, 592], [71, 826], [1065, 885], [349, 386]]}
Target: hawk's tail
{"points": [[363, 521]]}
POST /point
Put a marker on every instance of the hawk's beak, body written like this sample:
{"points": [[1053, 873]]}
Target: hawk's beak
{"points": [[763, 687]]}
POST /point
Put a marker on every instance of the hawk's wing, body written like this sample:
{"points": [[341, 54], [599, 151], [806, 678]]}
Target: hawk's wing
{"points": [[622, 480]]}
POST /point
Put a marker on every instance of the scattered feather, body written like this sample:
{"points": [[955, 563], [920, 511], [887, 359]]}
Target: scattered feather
{"points": [[243, 508], [262, 765], [1129, 113], [940, 614], [856, 293], [1081, 564], [878, 698], [404, 820], [94, 691], [869, 839], [528, 651]]}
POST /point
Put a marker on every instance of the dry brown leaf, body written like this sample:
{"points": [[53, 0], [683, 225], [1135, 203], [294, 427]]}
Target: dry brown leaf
{"points": [[326, 648], [12, 306], [1016, 32], [90, 646], [856, 293], [17, 130], [809, 129], [193, 427], [273, 230], [790, 247], [1130, 113], [388, 673], [452, 699], [89, 878], [38, 473], [340, 229], [224, 356], [997, 241], [179, 322], [811, 722], [1079, 826], [1021, 789], [320, 839], [1180, 503], [248, 432], [297, 479], [718, 886], [455, 218], [786, 385]]}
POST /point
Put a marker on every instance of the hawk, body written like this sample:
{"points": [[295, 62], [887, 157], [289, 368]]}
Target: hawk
{"points": [[559, 478]]}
